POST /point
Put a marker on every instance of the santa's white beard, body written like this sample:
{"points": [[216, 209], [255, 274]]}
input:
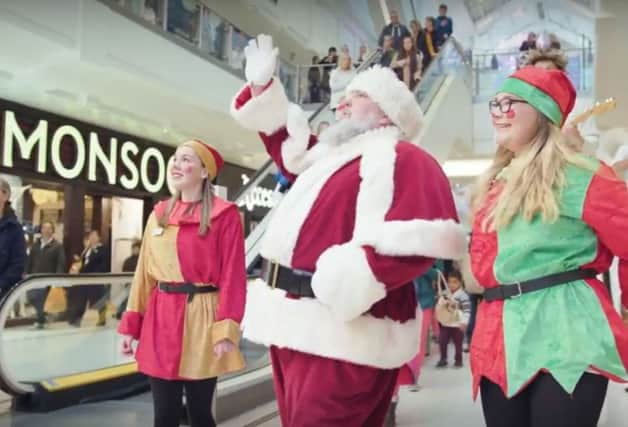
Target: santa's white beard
{"points": [[347, 128]]}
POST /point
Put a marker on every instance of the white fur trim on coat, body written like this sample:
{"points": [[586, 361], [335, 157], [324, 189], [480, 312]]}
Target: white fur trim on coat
{"points": [[343, 280], [266, 112], [289, 216], [443, 239], [308, 326], [393, 97], [295, 148]]}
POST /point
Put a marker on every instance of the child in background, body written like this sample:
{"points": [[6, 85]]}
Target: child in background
{"points": [[460, 301]]}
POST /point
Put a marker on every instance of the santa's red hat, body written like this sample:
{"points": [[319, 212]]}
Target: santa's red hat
{"points": [[549, 91]]}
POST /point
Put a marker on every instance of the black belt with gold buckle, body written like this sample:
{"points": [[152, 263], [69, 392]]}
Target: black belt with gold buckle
{"points": [[294, 282], [186, 288]]}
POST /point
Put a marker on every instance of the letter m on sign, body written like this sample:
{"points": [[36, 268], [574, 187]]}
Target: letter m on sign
{"points": [[13, 134]]}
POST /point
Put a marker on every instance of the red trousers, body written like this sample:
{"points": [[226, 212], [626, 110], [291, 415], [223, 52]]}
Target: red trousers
{"points": [[314, 391]]}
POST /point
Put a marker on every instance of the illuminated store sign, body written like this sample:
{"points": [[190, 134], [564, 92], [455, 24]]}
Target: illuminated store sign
{"points": [[258, 197], [79, 151]]}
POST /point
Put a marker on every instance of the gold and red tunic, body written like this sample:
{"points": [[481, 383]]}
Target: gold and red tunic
{"points": [[177, 337]]}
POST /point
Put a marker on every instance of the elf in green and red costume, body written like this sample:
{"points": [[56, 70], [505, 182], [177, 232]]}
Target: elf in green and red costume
{"points": [[547, 221]]}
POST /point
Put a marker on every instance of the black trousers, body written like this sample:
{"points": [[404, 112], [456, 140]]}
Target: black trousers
{"points": [[168, 399], [544, 403], [37, 298], [79, 296]]}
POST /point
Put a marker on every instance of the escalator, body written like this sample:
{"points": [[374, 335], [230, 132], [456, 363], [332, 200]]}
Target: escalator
{"points": [[62, 366]]}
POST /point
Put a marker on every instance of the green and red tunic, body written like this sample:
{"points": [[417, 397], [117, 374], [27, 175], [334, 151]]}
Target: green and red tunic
{"points": [[564, 330]]}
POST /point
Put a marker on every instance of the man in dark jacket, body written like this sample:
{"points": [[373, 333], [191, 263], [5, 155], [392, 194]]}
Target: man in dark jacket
{"points": [[95, 259], [444, 26], [395, 29], [47, 256], [12, 245]]}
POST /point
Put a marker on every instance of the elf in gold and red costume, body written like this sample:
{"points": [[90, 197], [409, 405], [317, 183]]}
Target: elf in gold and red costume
{"points": [[188, 293], [368, 212], [548, 220]]}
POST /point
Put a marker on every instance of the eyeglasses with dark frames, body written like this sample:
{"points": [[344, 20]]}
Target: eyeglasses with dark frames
{"points": [[504, 106]]}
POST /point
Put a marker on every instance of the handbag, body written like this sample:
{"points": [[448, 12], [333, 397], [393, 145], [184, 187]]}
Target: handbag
{"points": [[446, 310], [56, 302]]}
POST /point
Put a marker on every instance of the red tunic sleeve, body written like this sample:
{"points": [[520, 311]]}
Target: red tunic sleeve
{"points": [[232, 280], [606, 212]]}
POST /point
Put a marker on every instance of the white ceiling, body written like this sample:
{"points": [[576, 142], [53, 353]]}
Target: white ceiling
{"points": [[506, 25]]}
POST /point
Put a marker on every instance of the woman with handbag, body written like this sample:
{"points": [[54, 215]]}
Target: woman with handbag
{"points": [[547, 220], [188, 292]]}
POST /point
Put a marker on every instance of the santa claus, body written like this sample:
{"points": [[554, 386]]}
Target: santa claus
{"points": [[368, 212]]}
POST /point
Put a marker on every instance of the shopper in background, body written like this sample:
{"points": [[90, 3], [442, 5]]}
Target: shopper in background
{"points": [[46, 256], [396, 30], [340, 79], [444, 26], [388, 52], [427, 44], [407, 64], [12, 244], [529, 43], [95, 259]]}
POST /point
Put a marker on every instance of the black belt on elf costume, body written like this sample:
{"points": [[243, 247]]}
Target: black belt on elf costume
{"points": [[186, 288], [515, 290], [295, 282]]}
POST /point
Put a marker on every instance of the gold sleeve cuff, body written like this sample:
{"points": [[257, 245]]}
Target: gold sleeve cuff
{"points": [[226, 329]]}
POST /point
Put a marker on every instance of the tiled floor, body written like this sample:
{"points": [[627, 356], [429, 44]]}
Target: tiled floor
{"points": [[444, 399]]}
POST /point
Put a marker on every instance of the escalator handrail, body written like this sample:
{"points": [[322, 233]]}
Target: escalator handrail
{"points": [[8, 382], [263, 171], [450, 41]]}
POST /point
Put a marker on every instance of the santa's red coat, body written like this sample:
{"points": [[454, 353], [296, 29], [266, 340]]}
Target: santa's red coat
{"points": [[365, 217]]}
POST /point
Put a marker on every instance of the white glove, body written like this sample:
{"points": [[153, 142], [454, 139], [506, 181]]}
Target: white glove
{"points": [[261, 60]]}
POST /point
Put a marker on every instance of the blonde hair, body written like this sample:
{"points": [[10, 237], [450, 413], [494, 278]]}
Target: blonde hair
{"points": [[207, 202], [346, 58], [534, 178], [557, 57]]}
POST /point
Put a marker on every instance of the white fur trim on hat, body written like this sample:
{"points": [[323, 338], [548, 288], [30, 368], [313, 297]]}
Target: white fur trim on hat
{"points": [[392, 96]]}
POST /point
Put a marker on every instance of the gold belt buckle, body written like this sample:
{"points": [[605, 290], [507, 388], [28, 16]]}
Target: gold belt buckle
{"points": [[275, 274]]}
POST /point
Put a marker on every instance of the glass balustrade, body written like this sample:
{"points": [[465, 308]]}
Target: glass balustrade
{"points": [[492, 68], [200, 28], [30, 355]]}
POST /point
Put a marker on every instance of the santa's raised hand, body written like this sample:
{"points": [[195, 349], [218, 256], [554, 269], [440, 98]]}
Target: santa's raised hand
{"points": [[261, 60]]}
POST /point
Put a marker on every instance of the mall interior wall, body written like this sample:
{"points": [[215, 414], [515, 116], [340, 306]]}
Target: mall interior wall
{"points": [[303, 28], [612, 61]]}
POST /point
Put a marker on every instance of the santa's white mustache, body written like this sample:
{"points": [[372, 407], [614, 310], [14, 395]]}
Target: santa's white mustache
{"points": [[345, 129]]}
